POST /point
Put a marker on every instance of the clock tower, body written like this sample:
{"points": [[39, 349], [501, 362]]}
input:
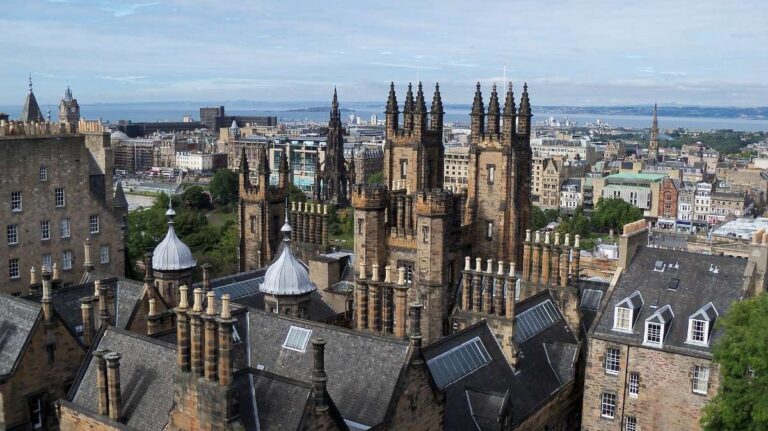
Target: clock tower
{"points": [[69, 110]]}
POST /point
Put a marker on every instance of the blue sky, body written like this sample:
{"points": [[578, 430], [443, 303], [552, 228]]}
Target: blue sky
{"points": [[703, 52]]}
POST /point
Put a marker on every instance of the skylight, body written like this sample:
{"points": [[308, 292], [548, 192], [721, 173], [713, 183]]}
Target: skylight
{"points": [[534, 320], [458, 362], [297, 339]]}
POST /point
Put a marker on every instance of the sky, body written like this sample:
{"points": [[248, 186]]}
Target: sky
{"points": [[579, 53]]}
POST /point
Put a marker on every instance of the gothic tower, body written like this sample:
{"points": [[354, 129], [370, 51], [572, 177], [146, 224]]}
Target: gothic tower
{"points": [[333, 187], [69, 110], [31, 110], [653, 145], [260, 212]]}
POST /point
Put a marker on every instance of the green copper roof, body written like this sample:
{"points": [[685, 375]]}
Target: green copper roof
{"points": [[644, 176]]}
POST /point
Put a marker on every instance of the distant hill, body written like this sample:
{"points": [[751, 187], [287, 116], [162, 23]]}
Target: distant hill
{"points": [[317, 109]]}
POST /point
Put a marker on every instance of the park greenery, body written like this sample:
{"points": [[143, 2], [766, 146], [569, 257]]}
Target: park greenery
{"points": [[724, 141], [742, 355], [608, 214]]}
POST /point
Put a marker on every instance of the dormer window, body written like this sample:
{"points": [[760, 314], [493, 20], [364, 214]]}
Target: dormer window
{"points": [[700, 325], [657, 326], [625, 313]]}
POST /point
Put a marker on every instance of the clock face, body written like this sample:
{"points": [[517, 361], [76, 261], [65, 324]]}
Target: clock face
{"points": [[73, 109]]}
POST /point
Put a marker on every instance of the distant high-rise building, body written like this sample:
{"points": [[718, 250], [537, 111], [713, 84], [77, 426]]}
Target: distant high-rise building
{"points": [[374, 120]]}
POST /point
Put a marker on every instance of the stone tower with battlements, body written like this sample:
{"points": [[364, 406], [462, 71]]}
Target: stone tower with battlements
{"points": [[411, 235]]}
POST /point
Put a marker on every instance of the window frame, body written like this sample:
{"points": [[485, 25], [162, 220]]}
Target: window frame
{"points": [[67, 263], [627, 426], [633, 385], [45, 230], [17, 205], [692, 332], [102, 248], [697, 380], [12, 230], [43, 174], [491, 174], [489, 230], [14, 267], [46, 261], [91, 219], [649, 342], [616, 327], [68, 223], [604, 402], [59, 197], [613, 360]]}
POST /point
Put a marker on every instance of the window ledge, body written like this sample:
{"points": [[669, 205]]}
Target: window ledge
{"points": [[612, 373]]}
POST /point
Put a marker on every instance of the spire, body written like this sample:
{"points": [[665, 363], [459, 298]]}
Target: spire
{"points": [[244, 163], [263, 161], [119, 201], [48, 114], [170, 213], [655, 125], [335, 106], [525, 104], [437, 111], [477, 105], [392, 100], [68, 94], [31, 110], [286, 229], [509, 103], [493, 111], [408, 108], [421, 106]]}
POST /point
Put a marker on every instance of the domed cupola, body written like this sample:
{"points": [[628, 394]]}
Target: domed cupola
{"points": [[287, 276], [172, 254]]}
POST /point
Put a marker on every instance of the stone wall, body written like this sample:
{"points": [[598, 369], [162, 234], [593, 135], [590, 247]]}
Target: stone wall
{"points": [[70, 165], [666, 400]]}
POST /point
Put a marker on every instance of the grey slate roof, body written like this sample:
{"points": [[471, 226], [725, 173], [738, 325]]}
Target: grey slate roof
{"points": [[17, 319], [279, 402], [546, 364], [362, 369], [696, 287], [146, 379], [31, 110]]}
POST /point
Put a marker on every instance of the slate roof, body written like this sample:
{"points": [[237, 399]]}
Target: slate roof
{"points": [[66, 301], [363, 370], [146, 379], [31, 110], [547, 363], [279, 402], [696, 287], [17, 320]]}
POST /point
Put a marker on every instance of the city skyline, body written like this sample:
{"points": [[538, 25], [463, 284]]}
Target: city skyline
{"points": [[687, 53]]}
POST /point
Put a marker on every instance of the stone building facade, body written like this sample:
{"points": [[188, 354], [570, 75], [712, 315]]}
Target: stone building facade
{"points": [[57, 183], [411, 225]]}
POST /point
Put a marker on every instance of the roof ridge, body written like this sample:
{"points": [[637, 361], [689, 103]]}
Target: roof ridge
{"points": [[21, 300]]}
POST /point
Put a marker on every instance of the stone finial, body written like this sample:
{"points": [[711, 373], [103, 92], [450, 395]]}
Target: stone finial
{"points": [[467, 263], [375, 272], [501, 267], [211, 311], [557, 238], [401, 276], [183, 301], [361, 275], [512, 269], [489, 266], [528, 235], [576, 241], [198, 303], [325, 209], [537, 239], [478, 264], [152, 307], [293, 205], [301, 205], [225, 311], [567, 242], [387, 274], [546, 238]]}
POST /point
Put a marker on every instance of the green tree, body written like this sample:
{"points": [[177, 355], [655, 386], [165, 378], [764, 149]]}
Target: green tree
{"points": [[541, 218], [578, 224], [376, 178], [225, 187], [196, 198], [296, 194], [613, 213], [741, 402]]}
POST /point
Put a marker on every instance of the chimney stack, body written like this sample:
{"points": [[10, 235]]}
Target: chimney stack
{"points": [[319, 377], [87, 262], [401, 293], [152, 317], [415, 336], [113, 386], [86, 310], [225, 342], [634, 236], [182, 331], [103, 297], [47, 300], [210, 365], [527, 256], [196, 342], [206, 276], [101, 382]]}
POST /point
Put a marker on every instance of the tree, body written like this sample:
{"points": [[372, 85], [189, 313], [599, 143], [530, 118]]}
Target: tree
{"points": [[225, 187], [742, 354], [196, 198], [295, 194], [578, 224], [614, 213], [376, 178], [541, 218]]}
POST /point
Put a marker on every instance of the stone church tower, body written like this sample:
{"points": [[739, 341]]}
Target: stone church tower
{"points": [[332, 186], [69, 110], [415, 228], [260, 212]]}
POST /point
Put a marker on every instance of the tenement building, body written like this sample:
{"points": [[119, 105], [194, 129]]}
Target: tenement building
{"points": [[57, 189], [414, 227], [650, 362]]}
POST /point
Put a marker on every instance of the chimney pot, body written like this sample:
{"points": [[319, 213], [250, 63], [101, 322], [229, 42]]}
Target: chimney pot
{"points": [[183, 300], [375, 272], [32, 276], [501, 267], [557, 238], [96, 286], [101, 382], [319, 376], [387, 274], [225, 312], [567, 242], [528, 235], [538, 237], [467, 263], [211, 311], [56, 275], [401, 276], [362, 271], [489, 268], [546, 238], [478, 264], [152, 307], [576, 241], [198, 304], [113, 385]]}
